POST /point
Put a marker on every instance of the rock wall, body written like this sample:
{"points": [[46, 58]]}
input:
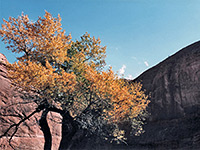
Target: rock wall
{"points": [[174, 84], [174, 87], [174, 123], [13, 106]]}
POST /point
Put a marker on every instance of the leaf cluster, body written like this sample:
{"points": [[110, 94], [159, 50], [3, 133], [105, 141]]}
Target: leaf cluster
{"points": [[69, 75]]}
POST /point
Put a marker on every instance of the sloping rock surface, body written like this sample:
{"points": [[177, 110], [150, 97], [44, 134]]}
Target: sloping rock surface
{"points": [[174, 87], [174, 123], [14, 105]]}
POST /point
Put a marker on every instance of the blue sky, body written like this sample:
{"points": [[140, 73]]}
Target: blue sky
{"points": [[138, 33]]}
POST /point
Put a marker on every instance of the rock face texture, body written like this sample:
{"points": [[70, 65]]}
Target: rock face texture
{"points": [[174, 86], [14, 106], [174, 123]]}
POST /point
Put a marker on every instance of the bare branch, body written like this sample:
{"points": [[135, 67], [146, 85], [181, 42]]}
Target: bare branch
{"points": [[16, 125]]}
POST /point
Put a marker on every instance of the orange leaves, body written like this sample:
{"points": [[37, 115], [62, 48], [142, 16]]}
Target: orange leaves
{"points": [[32, 76], [70, 74], [15, 32], [51, 42], [126, 100], [43, 38]]}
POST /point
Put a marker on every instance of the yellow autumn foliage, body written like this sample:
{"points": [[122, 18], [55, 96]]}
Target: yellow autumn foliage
{"points": [[69, 73]]}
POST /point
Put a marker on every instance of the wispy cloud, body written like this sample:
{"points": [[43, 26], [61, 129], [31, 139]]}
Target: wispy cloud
{"points": [[129, 77], [146, 63], [122, 70]]}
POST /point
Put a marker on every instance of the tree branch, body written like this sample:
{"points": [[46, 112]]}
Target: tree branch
{"points": [[16, 125]]}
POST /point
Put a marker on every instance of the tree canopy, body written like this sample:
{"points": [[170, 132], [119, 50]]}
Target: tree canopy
{"points": [[70, 76]]}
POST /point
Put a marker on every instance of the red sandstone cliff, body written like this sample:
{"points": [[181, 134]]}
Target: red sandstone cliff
{"points": [[174, 123], [174, 85], [15, 105]]}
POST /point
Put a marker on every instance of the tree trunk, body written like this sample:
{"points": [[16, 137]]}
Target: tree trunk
{"points": [[69, 128], [76, 142], [46, 130]]}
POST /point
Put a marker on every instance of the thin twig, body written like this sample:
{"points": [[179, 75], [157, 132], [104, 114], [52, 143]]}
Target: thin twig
{"points": [[16, 125]]}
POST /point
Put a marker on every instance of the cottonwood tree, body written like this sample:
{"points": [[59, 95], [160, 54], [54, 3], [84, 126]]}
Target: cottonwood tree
{"points": [[68, 77]]}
